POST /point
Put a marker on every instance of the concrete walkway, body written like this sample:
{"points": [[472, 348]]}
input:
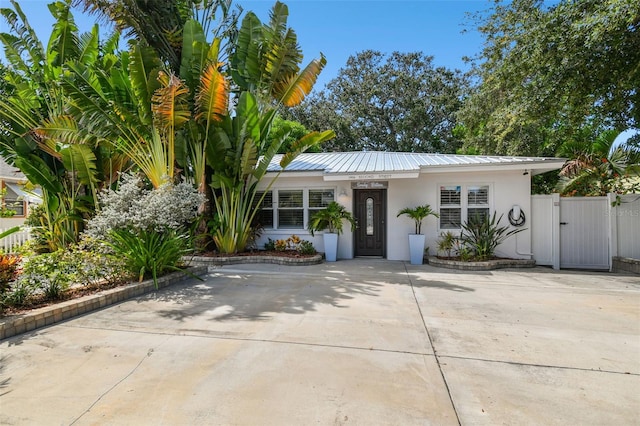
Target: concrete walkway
{"points": [[363, 342]]}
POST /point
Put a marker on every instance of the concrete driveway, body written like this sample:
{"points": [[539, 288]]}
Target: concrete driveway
{"points": [[363, 342]]}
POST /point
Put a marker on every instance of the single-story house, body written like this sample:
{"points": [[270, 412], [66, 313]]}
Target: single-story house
{"points": [[375, 186]]}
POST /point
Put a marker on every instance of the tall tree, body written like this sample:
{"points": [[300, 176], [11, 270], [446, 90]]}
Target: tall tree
{"points": [[267, 74], [548, 71], [69, 174], [396, 102]]}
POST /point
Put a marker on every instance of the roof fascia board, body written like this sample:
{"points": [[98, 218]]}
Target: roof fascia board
{"points": [[546, 166], [370, 176]]}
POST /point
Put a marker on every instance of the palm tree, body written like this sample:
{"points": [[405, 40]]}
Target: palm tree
{"points": [[597, 167], [331, 219], [418, 214]]}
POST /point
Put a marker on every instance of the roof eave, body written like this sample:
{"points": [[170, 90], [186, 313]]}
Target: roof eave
{"points": [[534, 167]]}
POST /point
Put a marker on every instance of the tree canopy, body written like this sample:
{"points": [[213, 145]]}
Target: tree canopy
{"points": [[395, 102], [548, 71]]}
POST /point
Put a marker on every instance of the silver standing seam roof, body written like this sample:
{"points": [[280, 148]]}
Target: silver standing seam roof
{"points": [[386, 162]]}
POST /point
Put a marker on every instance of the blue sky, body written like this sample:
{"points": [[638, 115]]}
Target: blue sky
{"points": [[340, 29]]}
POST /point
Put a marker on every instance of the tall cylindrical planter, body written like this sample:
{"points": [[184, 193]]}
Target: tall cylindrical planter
{"points": [[416, 248], [330, 247]]}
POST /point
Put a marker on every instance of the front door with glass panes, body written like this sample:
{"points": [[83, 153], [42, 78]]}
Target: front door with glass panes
{"points": [[370, 210]]}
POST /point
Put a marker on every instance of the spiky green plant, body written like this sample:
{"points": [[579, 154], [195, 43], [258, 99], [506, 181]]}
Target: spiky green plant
{"points": [[483, 234]]}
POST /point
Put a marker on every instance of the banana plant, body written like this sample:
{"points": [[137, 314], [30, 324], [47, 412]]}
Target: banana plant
{"points": [[68, 174], [265, 68]]}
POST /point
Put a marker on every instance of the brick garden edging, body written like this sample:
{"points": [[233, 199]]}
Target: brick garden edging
{"points": [[234, 260], [47, 315], [486, 265]]}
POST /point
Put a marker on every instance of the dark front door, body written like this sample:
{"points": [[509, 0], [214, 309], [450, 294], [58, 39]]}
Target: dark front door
{"points": [[370, 208]]}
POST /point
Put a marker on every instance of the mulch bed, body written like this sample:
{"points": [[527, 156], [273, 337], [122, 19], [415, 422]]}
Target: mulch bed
{"points": [[39, 301]]}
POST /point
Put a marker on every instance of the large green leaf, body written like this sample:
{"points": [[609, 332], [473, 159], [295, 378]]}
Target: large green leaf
{"points": [[81, 160], [26, 51], [143, 71], [38, 173], [194, 51], [247, 120], [63, 43], [88, 46], [245, 63]]}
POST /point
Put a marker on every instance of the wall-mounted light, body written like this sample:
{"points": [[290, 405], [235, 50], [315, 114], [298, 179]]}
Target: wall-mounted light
{"points": [[343, 192], [526, 172]]}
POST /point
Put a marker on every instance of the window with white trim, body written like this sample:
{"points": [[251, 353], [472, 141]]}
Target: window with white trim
{"points": [[459, 203], [264, 217], [450, 207], [478, 202], [319, 199], [291, 208]]}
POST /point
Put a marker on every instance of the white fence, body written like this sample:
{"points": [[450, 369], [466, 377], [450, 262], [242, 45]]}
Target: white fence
{"points": [[9, 243], [625, 226], [584, 232]]}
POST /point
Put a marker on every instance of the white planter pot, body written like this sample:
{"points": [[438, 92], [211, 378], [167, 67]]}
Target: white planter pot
{"points": [[330, 246], [416, 248]]}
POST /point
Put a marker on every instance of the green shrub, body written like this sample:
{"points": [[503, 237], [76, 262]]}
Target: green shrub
{"points": [[306, 247], [18, 294], [147, 252], [36, 221], [270, 245], [49, 273]]}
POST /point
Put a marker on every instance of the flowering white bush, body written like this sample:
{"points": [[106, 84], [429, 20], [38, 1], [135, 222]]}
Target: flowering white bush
{"points": [[134, 207]]}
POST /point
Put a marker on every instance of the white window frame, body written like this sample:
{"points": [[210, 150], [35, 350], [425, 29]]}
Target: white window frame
{"points": [[464, 201], [258, 195], [307, 211]]}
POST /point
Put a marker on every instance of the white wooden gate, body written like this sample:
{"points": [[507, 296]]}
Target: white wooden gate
{"points": [[545, 229], [584, 233], [571, 232]]}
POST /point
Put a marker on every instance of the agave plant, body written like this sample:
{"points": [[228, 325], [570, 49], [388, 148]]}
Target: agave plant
{"points": [[483, 234]]}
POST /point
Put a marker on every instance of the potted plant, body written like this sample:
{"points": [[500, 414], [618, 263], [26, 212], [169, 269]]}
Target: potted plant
{"points": [[416, 241], [330, 219]]}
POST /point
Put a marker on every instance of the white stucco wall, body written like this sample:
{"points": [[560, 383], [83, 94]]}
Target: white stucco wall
{"points": [[507, 188]]}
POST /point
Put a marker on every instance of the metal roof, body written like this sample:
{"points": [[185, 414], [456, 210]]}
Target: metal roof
{"points": [[398, 162]]}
